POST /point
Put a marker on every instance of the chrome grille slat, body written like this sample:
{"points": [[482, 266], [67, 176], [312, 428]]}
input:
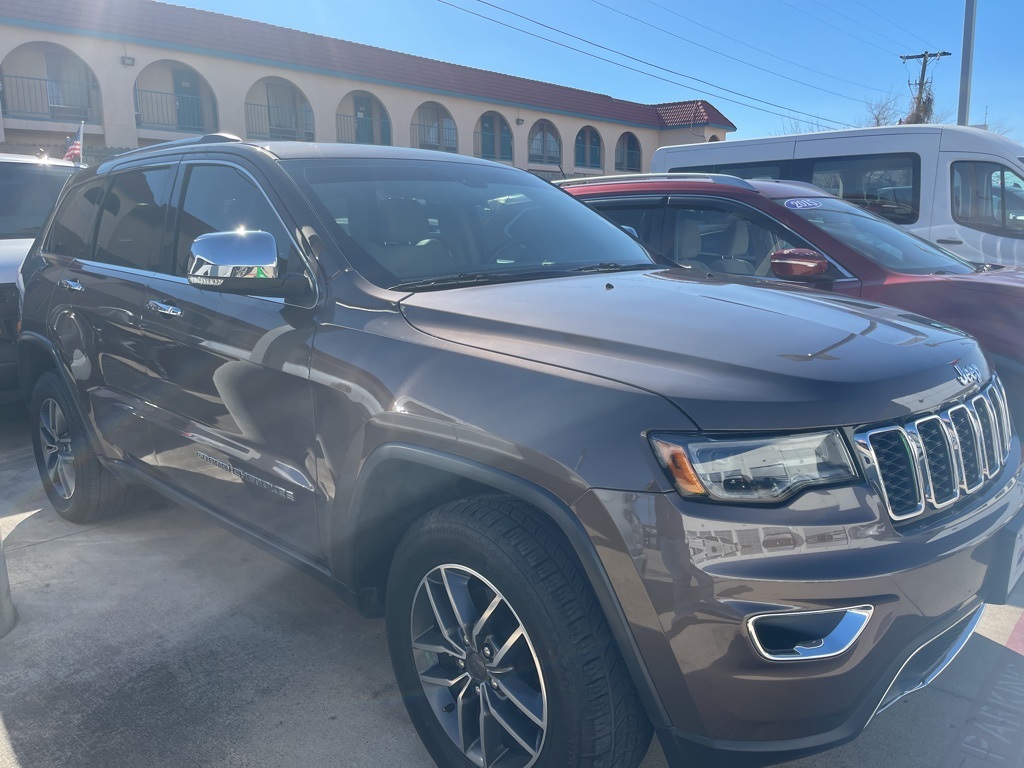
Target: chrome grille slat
{"points": [[930, 463]]}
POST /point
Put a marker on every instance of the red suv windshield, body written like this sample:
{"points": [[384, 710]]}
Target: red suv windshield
{"points": [[877, 239]]}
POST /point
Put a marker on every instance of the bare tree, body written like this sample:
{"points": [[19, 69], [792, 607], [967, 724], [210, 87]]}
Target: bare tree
{"points": [[885, 110]]}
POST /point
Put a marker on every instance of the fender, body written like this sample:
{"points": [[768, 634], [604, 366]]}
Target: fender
{"points": [[27, 376], [553, 508]]}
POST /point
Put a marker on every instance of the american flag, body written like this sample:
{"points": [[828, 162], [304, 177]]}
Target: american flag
{"points": [[75, 147]]}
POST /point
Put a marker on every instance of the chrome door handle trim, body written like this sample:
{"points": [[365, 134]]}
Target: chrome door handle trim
{"points": [[71, 285], [164, 309]]}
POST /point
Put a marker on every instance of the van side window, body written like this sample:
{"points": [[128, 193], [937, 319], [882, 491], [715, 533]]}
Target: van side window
{"points": [[132, 220], [888, 185], [989, 197], [742, 170], [73, 226]]}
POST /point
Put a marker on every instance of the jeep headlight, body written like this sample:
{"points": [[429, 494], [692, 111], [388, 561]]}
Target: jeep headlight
{"points": [[759, 469]]}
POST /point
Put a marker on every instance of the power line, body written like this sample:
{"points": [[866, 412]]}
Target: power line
{"points": [[861, 25], [838, 29], [886, 18], [789, 111], [720, 53], [764, 52]]}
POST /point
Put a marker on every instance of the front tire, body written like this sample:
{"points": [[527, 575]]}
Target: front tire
{"points": [[77, 485], [502, 654]]}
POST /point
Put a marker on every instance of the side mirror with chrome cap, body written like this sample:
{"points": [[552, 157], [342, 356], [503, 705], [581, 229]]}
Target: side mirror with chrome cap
{"points": [[242, 262], [799, 264]]}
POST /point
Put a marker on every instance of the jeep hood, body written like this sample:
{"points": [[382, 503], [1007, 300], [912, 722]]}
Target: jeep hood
{"points": [[12, 254], [731, 356]]}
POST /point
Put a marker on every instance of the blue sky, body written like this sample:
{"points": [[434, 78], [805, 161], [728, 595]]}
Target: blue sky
{"points": [[826, 57]]}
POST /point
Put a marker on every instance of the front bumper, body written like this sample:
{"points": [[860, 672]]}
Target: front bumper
{"points": [[709, 570]]}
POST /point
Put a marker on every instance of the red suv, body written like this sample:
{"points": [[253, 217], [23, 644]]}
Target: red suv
{"points": [[792, 231]]}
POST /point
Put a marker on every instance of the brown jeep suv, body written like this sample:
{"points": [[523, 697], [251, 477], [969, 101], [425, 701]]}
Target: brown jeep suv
{"points": [[593, 495]]}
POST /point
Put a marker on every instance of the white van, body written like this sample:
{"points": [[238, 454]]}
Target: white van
{"points": [[962, 188]]}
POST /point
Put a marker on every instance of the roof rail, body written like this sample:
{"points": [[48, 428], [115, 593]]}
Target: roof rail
{"points": [[209, 138], [714, 178]]}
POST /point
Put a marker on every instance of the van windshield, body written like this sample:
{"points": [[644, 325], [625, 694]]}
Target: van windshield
{"points": [[27, 193], [875, 238]]}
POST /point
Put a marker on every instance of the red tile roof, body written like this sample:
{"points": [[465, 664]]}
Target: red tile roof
{"points": [[217, 34]]}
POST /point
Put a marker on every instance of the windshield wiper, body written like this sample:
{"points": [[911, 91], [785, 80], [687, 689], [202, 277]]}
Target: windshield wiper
{"points": [[611, 266], [464, 278]]}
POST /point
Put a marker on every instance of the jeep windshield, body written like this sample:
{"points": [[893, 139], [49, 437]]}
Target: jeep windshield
{"points": [[877, 239], [27, 193], [428, 225]]}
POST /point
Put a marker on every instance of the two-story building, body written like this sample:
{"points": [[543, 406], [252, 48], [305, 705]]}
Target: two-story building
{"points": [[139, 72]]}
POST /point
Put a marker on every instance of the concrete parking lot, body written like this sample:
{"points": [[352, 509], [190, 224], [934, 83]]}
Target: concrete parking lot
{"points": [[159, 639]]}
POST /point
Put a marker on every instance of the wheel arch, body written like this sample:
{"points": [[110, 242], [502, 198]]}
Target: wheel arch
{"points": [[380, 515], [37, 355]]}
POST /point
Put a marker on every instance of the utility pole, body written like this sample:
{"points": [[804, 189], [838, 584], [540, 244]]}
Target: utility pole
{"points": [[921, 112], [967, 63]]}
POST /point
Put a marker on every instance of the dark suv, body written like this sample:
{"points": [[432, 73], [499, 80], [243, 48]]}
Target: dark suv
{"points": [[590, 493]]}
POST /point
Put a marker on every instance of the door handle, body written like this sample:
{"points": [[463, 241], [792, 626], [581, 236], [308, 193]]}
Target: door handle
{"points": [[949, 241], [71, 285], [164, 309]]}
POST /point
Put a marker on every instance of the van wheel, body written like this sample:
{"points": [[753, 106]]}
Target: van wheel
{"points": [[77, 485], [501, 652]]}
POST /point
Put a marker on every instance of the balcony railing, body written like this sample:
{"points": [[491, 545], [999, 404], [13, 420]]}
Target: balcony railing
{"points": [[39, 98], [278, 123], [364, 130], [627, 160], [445, 139], [492, 146], [170, 112]]}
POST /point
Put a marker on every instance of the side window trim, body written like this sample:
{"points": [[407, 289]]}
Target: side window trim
{"points": [[178, 192]]}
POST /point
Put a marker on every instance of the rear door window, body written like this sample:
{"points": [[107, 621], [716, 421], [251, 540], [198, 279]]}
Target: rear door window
{"points": [[131, 224], [71, 233]]}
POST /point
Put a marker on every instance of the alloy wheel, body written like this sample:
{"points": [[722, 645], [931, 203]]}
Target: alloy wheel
{"points": [[58, 454], [478, 667]]}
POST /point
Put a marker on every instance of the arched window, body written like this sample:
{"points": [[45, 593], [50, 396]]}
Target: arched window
{"points": [[713, 138], [45, 81], [276, 109], [627, 153], [434, 128], [362, 119], [588, 148], [545, 144], [493, 139], [172, 96]]}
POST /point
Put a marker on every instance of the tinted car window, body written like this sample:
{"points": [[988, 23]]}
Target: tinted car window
{"points": [[72, 230], [132, 218], [219, 198], [406, 220], [27, 195], [878, 240]]}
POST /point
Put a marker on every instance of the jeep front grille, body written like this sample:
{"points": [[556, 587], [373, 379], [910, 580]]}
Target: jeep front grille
{"points": [[933, 461]]}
